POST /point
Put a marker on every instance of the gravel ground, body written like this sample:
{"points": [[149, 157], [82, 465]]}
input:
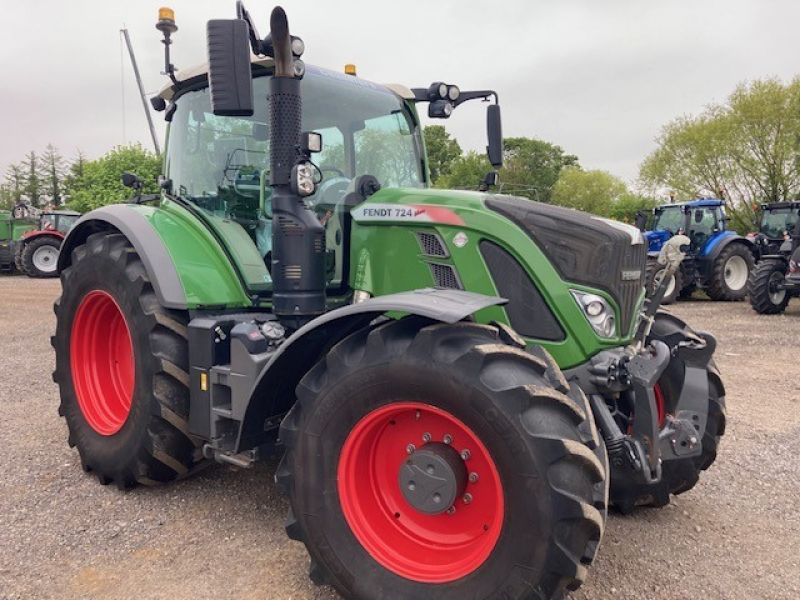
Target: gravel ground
{"points": [[219, 534]]}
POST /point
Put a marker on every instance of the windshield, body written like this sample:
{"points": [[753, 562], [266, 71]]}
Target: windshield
{"points": [[774, 223], [219, 162], [65, 222], [669, 219]]}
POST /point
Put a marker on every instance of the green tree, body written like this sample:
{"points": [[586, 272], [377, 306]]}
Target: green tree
{"points": [[6, 197], [745, 149], [466, 172], [33, 179], [99, 181], [74, 172], [591, 191], [531, 167], [53, 167], [629, 204], [15, 178], [442, 149]]}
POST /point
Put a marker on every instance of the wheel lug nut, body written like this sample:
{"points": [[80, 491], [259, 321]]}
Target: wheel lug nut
{"points": [[426, 437], [410, 449], [465, 454], [467, 498], [451, 510], [448, 439], [473, 477]]}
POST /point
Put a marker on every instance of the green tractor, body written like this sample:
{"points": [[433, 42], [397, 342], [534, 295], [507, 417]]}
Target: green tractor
{"points": [[14, 224], [458, 381]]}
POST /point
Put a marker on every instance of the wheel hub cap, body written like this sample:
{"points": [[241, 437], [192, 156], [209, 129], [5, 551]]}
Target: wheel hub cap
{"points": [[736, 272], [775, 295], [45, 259], [432, 478]]}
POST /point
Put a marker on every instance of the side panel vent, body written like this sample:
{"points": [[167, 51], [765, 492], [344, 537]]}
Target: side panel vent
{"points": [[445, 276], [527, 311], [432, 245]]}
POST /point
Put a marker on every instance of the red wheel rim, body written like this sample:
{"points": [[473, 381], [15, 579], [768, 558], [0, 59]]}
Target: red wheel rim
{"points": [[661, 406], [412, 544], [101, 361]]}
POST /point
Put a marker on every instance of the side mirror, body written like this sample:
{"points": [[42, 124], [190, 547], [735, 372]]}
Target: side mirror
{"points": [[131, 180], [494, 133], [641, 220], [229, 77]]}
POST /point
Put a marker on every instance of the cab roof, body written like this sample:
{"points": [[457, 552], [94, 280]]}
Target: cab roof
{"points": [[200, 72], [779, 205], [699, 203]]}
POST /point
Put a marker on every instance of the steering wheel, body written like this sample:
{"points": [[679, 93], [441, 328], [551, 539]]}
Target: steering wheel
{"points": [[336, 170], [331, 191]]}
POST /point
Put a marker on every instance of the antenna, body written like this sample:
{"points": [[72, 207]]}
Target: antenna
{"points": [[142, 94]]}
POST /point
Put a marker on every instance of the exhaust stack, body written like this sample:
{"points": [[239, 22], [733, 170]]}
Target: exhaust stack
{"points": [[298, 238]]}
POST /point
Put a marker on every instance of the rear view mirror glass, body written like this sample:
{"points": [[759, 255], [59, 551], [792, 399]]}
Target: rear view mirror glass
{"points": [[494, 132]]}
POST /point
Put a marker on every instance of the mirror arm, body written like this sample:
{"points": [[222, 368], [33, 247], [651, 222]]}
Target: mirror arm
{"points": [[478, 94]]}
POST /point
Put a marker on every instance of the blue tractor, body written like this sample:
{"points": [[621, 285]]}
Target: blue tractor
{"points": [[719, 260]]}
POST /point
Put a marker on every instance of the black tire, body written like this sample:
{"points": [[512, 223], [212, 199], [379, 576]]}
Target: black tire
{"points": [[654, 271], [717, 288], [678, 475], [687, 291], [153, 445], [36, 245], [540, 433], [762, 298]]}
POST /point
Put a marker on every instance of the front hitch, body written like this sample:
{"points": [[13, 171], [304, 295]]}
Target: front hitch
{"points": [[672, 254]]}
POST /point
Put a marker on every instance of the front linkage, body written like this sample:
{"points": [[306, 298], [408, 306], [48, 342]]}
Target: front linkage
{"points": [[652, 401]]}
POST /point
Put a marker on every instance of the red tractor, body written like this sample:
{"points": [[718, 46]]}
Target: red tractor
{"points": [[36, 253]]}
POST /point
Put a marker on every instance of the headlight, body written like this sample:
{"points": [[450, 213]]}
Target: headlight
{"points": [[453, 92], [442, 91], [298, 46], [598, 312]]}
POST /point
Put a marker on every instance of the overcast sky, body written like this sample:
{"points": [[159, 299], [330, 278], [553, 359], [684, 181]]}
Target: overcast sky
{"points": [[597, 77]]}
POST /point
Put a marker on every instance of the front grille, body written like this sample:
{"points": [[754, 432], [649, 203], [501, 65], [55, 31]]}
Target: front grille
{"points": [[629, 290], [432, 245], [445, 276], [582, 248]]}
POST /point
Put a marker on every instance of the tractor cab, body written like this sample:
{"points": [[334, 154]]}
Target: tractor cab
{"points": [[718, 260], [700, 220], [59, 220], [219, 163], [777, 224]]}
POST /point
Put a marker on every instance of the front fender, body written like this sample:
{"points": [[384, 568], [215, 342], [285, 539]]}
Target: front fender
{"points": [[273, 392], [184, 262]]}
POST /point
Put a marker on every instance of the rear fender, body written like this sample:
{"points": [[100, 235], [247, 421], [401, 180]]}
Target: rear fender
{"points": [[273, 393], [716, 245], [30, 235]]}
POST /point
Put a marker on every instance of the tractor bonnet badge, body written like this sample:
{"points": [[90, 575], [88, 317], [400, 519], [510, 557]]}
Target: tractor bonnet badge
{"points": [[460, 239]]}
